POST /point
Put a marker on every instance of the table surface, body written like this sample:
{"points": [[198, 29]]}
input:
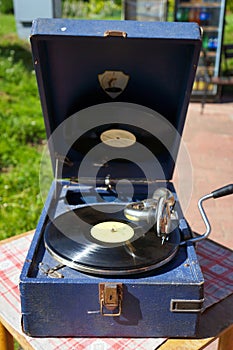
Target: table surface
{"points": [[217, 266]]}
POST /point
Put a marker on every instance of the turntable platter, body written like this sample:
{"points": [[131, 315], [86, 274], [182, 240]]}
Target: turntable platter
{"points": [[134, 249]]}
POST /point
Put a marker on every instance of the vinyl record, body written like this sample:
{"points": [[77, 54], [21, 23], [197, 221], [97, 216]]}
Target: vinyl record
{"points": [[83, 241]]}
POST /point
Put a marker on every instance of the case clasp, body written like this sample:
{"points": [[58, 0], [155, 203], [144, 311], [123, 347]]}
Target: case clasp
{"points": [[117, 33], [110, 297]]}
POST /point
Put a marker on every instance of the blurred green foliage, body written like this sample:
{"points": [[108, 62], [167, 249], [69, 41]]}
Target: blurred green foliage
{"points": [[91, 9], [6, 6], [229, 5]]}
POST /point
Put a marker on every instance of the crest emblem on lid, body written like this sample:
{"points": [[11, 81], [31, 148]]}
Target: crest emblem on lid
{"points": [[113, 82]]}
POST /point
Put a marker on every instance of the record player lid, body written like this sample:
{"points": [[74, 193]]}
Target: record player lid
{"points": [[155, 60]]}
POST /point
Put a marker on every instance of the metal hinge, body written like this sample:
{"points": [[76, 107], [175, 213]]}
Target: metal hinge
{"points": [[110, 298]]}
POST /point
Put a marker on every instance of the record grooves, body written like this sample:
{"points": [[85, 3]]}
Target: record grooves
{"points": [[68, 238]]}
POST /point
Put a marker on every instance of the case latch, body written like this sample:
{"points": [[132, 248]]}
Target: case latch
{"points": [[110, 297], [118, 33]]}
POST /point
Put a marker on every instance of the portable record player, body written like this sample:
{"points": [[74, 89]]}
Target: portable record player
{"points": [[113, 255]]}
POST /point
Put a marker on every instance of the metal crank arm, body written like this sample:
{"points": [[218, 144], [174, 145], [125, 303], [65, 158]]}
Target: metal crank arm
{"points": [[223, 191]]}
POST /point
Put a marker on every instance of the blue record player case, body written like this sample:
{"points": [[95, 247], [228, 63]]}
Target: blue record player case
{"points": [[76, 63]]}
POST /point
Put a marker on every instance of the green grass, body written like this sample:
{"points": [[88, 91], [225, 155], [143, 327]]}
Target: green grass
{"points": [[7, 24], [22, 131]]}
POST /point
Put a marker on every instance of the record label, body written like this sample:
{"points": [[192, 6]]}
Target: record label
{"points": [[118, 138], [112, 232]]}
